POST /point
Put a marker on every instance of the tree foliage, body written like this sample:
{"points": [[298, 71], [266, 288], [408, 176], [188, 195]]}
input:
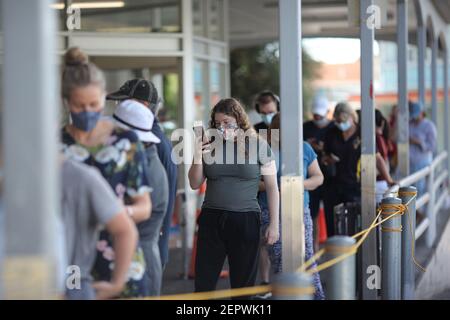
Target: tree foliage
{"points": [[257, 68]]}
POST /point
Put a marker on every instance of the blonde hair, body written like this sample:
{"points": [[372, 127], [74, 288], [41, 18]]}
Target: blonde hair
{"points": [[79, 72], [344, 107]]}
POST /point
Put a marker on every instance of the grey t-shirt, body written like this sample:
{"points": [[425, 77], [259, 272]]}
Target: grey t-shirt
{"points": [[88, 203], [157, 180], [233, 184]]}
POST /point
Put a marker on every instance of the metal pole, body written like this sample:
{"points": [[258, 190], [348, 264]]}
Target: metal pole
{"points": [[342, 275], [30, 140], [422, 46], [446, 107], [391, 252], [434, 53], [430, 233], [188, 114], [402, 66], [368, 168], [293, 286], [292, 134], [408, 195]]}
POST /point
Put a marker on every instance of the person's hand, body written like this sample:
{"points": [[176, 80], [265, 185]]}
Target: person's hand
{"points": [[200, 148], [414, 140], [272, 234], [328, 160], [391, 182], [107, 290]]}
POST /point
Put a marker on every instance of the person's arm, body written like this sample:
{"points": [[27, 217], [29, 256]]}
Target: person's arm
{"points": [[427, 142], [141, 207], [195, 175], [269, 171], [383, 170], [315, 176], [430, 139], [125, 238]]}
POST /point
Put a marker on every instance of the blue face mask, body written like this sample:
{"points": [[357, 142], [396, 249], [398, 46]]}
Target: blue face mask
{"points": [[267, 118], [86, 120], [344, 126]]}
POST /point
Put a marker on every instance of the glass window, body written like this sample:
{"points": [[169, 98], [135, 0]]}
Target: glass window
{"points": [[198, 21], [215, 26], [201, 92], [216, 82], [139, 16]]}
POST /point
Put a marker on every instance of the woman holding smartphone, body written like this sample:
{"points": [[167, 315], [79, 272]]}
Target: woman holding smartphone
{"points": [[229, 223]]}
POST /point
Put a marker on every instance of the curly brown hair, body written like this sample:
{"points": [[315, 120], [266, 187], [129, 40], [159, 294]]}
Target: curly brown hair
{"points": [[233, 108]]}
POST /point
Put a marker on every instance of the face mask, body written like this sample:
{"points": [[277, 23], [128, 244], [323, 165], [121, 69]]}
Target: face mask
{"points": [[321, 122], [344, 126], [86, 120], [227, 134], [267, 118]]}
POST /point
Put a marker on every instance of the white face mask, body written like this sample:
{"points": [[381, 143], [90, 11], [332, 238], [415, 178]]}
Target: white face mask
{"points": [[344, 126], [228, 133]]}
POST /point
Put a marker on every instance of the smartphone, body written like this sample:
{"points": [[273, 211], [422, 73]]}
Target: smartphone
{"points": [[199, 131]]}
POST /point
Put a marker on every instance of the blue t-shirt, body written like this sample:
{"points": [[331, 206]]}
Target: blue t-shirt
{"points": [[308, 158]]}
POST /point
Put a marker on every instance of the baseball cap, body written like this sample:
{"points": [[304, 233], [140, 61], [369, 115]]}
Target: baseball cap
{"points": [[139, 89], [415, 108], [320, 106]]}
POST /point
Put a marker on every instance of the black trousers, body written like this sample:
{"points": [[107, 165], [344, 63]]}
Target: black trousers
{"points": [[314, 201], [335, 194], [222, 234]]}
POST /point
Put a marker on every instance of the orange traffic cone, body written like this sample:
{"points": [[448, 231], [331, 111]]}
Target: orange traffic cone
{"points": [[322, 226]]}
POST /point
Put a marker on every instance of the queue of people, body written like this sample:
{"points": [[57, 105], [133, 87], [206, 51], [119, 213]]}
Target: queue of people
{"points": [[119, 183]]}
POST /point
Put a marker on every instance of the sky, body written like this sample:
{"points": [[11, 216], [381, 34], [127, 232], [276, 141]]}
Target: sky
{"points": [[335, 50]]}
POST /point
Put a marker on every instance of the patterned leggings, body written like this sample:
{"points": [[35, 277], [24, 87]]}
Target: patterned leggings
{"points": [[275, 249]]}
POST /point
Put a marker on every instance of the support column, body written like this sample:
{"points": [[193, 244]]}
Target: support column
{"points": [[421, 48], [30, 142], [402, 67], [368, 162], [291, 134], [188, 115], [434, 53], [446, 107]]}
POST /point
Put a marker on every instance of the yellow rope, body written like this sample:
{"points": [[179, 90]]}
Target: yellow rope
{"points": [[386, 229], [219, 294]]}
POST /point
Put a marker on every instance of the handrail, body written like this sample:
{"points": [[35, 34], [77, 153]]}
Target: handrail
{"points": [[422, 200], [431, 192], [420, 229], [418, 175], [440, 158], [439, 180]]}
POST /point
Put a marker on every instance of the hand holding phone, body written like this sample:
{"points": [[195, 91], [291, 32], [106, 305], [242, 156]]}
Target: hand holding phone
{"points": [[199, 131]]}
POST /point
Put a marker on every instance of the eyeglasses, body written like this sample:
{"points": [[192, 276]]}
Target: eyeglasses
{"points": [[228, 126]]}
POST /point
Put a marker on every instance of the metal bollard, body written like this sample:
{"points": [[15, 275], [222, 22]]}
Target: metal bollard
{"points": [[293, 286], [391, 252], [342, 276], [408, 241]]}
